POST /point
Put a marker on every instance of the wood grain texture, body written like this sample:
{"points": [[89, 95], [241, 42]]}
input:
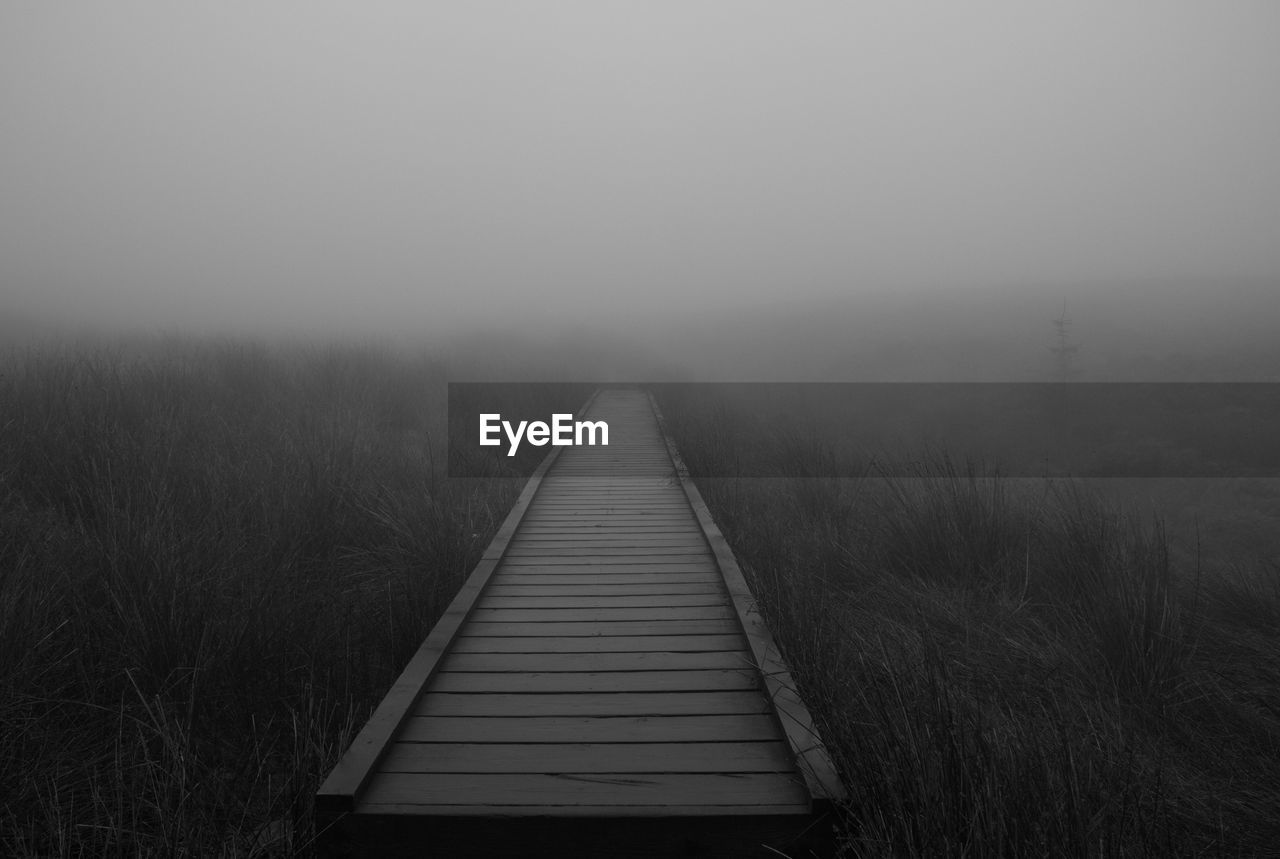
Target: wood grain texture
{"points": [[594, 681], [599, 644], [703, 565], [499, 588], [622, 788], [589, 704], [604, 628], [602, 612], [584, 578], [601, 600], [649, 660], [769, 756]]}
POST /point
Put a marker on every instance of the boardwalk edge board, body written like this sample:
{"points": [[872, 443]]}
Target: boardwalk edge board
{"points": [[342, 788], [793, 717]]}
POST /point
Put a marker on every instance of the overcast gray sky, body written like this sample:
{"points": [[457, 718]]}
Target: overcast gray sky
{"points": [[421, 163]]}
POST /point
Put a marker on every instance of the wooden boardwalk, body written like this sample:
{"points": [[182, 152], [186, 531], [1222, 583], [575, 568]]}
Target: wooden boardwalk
{"points": [[601, 686]]}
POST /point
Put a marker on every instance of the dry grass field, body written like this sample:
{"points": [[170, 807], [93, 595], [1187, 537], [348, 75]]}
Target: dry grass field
{"points": [[1018, 666], [215, 557]]}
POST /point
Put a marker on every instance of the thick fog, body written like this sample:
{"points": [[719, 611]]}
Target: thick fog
{"points": [[403, 166]]}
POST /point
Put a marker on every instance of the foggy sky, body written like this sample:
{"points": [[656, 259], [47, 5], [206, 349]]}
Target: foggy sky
{"points": [[411, 164]]}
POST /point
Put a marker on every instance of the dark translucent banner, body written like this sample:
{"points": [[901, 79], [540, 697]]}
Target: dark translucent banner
{"points": [[854, 429]]}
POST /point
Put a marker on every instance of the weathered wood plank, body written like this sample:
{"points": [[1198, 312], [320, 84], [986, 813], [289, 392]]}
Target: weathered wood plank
{"points": [[579, 534], [612, 509], [595, 681], [608, 542], [611, 569], [567, 496], [718, 728], [606, 628], [674, 504], [598, 600], [663, 817], [569, 502], [601, 613], [643, 559], [605, 532], [644, 488], [596, 517], [526, 589], [604, 510], [583, 704], [770, 756], [605, 526], [628, 486], [444, 789], [594, 551], [582, 535], [652, 660], [599, 644], [610, 576]]}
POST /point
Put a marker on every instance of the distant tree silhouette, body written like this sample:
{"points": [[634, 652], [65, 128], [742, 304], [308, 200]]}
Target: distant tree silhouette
{"points": [[1064, 351]]}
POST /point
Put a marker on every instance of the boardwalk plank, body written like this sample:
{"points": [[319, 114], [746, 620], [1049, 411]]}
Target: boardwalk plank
{"points": [[690, 580], [525, 588], [685, 549], [594, 628], [719, 728], [606, 542], [613, 506], [572, 520], [608, 577], [599, 644], [614, 843], [708, 567], [585, 704], [652, 660], [596, 788], [600, 600], [770, 756], [637, 559], [594, 681], [590, 529], [601, 613]]}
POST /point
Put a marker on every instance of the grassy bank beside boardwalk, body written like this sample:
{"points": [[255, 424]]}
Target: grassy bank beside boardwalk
{"points": [[1008, 667], [214, 559], [216, 556]]}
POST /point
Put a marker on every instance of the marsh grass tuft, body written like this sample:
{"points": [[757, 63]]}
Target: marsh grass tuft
{"points": [[1007, 667], [214, 559]]}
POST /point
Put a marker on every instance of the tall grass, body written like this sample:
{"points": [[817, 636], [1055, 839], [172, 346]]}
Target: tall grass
{"points": [[214, 558], [1009, 667]]}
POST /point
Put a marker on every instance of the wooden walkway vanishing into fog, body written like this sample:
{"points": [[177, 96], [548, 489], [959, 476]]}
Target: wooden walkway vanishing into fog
{"points": [[602, 685]]}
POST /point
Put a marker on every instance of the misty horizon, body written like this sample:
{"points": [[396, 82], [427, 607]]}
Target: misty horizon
{"points": [[635, 172]]}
